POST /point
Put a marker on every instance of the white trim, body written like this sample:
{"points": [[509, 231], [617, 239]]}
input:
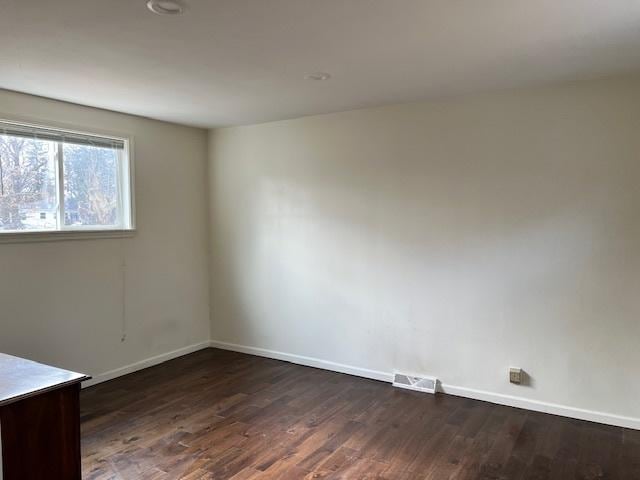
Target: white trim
{"points": [[307, 361], [59, 165], [126, 184], [498, 398], [148, 362], [544, 407], [58, 235]]}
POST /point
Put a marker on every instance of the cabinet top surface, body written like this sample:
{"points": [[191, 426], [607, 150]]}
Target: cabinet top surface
{"points": [[21, 378]]}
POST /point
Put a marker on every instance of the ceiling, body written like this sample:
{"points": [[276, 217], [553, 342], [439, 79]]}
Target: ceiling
{"points": [[229, 62]]}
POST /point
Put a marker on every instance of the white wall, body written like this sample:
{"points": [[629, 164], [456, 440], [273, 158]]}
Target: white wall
{"points": [[63, 302], [453, 238]]}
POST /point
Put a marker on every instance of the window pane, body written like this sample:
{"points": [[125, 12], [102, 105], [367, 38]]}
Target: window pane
{"points": [[28, 194], [90, 186]]}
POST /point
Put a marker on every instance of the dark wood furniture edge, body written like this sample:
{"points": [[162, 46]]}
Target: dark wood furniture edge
{"points": [[41, 435], [44, 390]]}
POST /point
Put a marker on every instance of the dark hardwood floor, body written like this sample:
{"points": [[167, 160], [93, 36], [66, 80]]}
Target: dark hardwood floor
{"points": [[223, 415]]}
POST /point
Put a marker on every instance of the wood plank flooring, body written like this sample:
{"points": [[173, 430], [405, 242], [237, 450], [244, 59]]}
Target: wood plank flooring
{"points": [[223, 415]]}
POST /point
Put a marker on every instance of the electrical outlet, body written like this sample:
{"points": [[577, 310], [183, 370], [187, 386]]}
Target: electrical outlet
{"points": [[515, 375]]}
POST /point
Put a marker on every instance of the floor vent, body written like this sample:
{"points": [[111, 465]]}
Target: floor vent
{"points": [[419, 384]]}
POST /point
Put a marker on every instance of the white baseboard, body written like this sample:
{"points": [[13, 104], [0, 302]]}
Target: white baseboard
{"points": [[492, 397], [307, 361], [544, 407], [148, 362], [498, 398]]}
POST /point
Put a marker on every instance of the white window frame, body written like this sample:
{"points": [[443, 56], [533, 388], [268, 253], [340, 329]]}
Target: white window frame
{"points": [[126, 196]]}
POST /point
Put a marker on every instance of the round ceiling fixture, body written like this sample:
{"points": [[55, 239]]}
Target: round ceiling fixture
{"points": [[167, 7], [318, 76]]}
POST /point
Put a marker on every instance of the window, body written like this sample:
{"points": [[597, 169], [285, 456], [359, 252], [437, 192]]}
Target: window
{"points": [[62, 181]]}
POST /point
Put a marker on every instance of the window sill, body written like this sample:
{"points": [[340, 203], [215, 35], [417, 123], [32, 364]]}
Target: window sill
{"points": [[59, 235]]}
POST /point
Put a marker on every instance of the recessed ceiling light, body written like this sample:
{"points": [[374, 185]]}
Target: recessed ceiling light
{"points": [[318, 76], [167, 7]]}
